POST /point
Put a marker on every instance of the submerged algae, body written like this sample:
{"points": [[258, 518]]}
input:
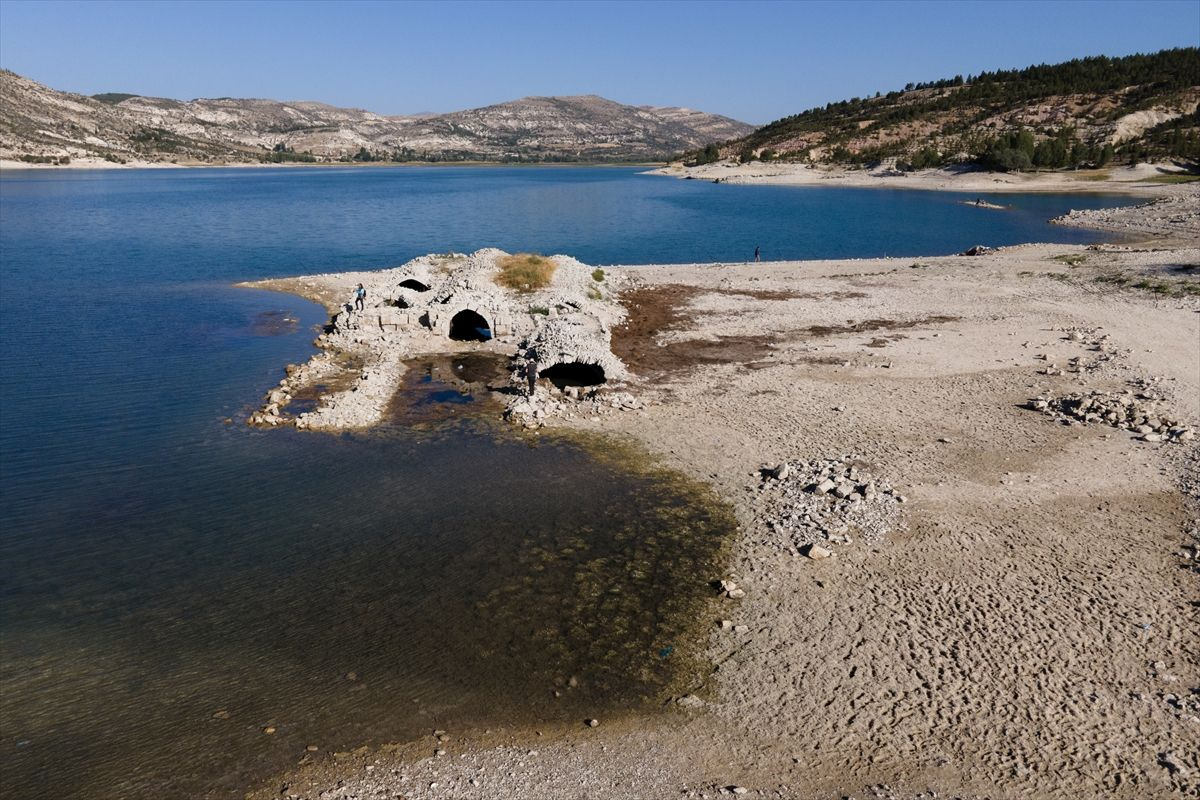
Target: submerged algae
{"points": [[625, 600]]}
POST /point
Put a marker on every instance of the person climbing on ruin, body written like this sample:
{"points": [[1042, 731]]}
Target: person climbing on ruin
{"points": [[531, 373], [756, 253], [360, 298]]}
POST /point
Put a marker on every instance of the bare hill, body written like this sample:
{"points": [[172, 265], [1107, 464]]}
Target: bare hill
{"points": [[39, 123]]}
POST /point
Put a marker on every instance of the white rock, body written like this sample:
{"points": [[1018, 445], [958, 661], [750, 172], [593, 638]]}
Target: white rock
{"points": [[816, 552]]}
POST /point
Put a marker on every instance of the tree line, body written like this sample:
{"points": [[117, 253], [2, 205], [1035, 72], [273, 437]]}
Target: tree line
{"points": [[960, 105]]}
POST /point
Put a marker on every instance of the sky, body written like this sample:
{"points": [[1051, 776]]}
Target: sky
{"points": [[754, 61]]}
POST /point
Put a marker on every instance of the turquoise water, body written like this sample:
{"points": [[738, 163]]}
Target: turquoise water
{"points": [[174, 583]]}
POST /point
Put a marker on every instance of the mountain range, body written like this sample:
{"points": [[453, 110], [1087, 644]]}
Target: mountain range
{"points": [[38, 123]]}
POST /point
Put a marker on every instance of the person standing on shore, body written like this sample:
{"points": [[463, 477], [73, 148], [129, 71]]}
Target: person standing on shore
{"points": [[756, 253], [360, 297], [531, 373]]}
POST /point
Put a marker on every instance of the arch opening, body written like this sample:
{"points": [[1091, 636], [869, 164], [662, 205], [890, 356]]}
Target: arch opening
{"points": [[574, 373], [469, 326], [414, 284]]}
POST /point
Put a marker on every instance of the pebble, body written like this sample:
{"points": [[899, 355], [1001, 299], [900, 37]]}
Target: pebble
{"points": [[591, 723], [270, 729]]}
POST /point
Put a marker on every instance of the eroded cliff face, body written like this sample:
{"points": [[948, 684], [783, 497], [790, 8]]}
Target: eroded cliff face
{"points": [[38, 121]]}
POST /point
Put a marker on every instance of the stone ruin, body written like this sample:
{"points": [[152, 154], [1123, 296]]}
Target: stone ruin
{"points": [[449, 303]]}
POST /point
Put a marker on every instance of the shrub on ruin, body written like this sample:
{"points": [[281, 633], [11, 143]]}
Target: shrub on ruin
{"points": [[525, 272]]}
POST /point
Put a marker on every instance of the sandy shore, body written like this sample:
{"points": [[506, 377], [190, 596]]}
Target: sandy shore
{"points": [[1023, 625], [1150, 180]]}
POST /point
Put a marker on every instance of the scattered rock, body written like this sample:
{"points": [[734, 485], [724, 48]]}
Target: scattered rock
{"points": [[1134, 411], [816, 552], [730, 589], [592, 723], [834, 500]]}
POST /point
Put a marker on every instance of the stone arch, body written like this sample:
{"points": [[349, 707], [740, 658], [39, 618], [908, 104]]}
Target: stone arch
{"points": [[414, 284], [574, 373], [469, 325]]}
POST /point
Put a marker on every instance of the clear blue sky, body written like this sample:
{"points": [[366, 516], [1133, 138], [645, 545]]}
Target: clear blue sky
{"points": [[756, 61]]}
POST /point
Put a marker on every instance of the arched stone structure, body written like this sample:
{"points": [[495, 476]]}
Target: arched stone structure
{"points": [[469, 325], [574, 373]]}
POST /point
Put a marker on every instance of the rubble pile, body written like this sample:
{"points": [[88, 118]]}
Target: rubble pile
{"points": [[1095, 341], [572, 401], [1136, 411], [803, 503]]}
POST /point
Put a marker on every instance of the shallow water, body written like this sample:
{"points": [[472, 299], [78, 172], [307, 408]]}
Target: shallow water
{"points": [[175, 582]]}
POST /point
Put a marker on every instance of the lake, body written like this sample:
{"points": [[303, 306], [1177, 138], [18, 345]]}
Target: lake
{"points": [[176, 584]]}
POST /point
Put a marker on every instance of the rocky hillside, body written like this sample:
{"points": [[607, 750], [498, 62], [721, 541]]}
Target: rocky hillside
{"points": [[40, 124], [1086, 111]]}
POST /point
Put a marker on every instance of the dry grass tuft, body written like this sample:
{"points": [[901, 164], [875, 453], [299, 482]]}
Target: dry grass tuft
{"points": [[525, 272]]}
